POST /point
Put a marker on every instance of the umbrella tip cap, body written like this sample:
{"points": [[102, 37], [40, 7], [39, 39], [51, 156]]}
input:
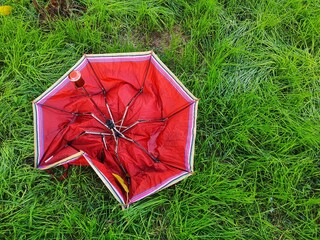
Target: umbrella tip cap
{"points": [[75, 76]]}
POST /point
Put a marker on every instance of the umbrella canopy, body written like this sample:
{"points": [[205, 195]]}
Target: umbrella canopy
{"points": [[125, 115]]}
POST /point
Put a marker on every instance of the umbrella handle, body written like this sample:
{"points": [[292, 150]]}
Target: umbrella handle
{"points": [[64, 174]]}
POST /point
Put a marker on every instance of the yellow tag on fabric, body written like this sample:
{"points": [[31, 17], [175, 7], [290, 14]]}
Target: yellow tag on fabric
{"points": [[5, 10], [121, 181]]}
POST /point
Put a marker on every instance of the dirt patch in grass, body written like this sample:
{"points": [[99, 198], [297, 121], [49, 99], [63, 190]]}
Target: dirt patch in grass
{"points": [[49, 10], [159, 41]]}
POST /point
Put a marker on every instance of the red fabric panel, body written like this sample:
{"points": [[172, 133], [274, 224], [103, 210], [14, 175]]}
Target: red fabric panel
{"points": [[122, 80], [165, 140], [158, 87], [158, 100], [113, 73], [171, 142], [144, 172]]}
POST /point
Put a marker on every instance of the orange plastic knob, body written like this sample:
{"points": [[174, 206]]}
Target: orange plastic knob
{"points": [[75, 76]]}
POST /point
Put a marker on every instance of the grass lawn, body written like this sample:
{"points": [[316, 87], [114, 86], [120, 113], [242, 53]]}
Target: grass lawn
{"points": [[255, 65]]}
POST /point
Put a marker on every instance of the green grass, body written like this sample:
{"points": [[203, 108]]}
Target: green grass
{"points": [[255, 65]]}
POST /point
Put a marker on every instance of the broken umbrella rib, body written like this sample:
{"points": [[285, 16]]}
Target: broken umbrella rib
{"points": [[75, 148], [88, 133]]}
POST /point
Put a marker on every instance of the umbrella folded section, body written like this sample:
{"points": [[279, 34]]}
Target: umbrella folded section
{"points": [[141, 182], [132, 121]]}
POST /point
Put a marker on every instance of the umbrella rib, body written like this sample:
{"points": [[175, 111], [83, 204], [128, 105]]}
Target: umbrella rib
{"points": [[87, 133], [127, 107], [93, 102], [103, 90], [75, 148], [180, 110], [119, 162], [75, 138], [104, 142], [136, 95], [146, 73], [108, 107], [142, 148], [69, 123], [98, 133], [94, 116], [96, 77], [66, 145], [155, 120], [143, 121], [55, 108]]}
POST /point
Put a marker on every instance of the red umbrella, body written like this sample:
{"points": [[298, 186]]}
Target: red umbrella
{"points": [[126, 115]]}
